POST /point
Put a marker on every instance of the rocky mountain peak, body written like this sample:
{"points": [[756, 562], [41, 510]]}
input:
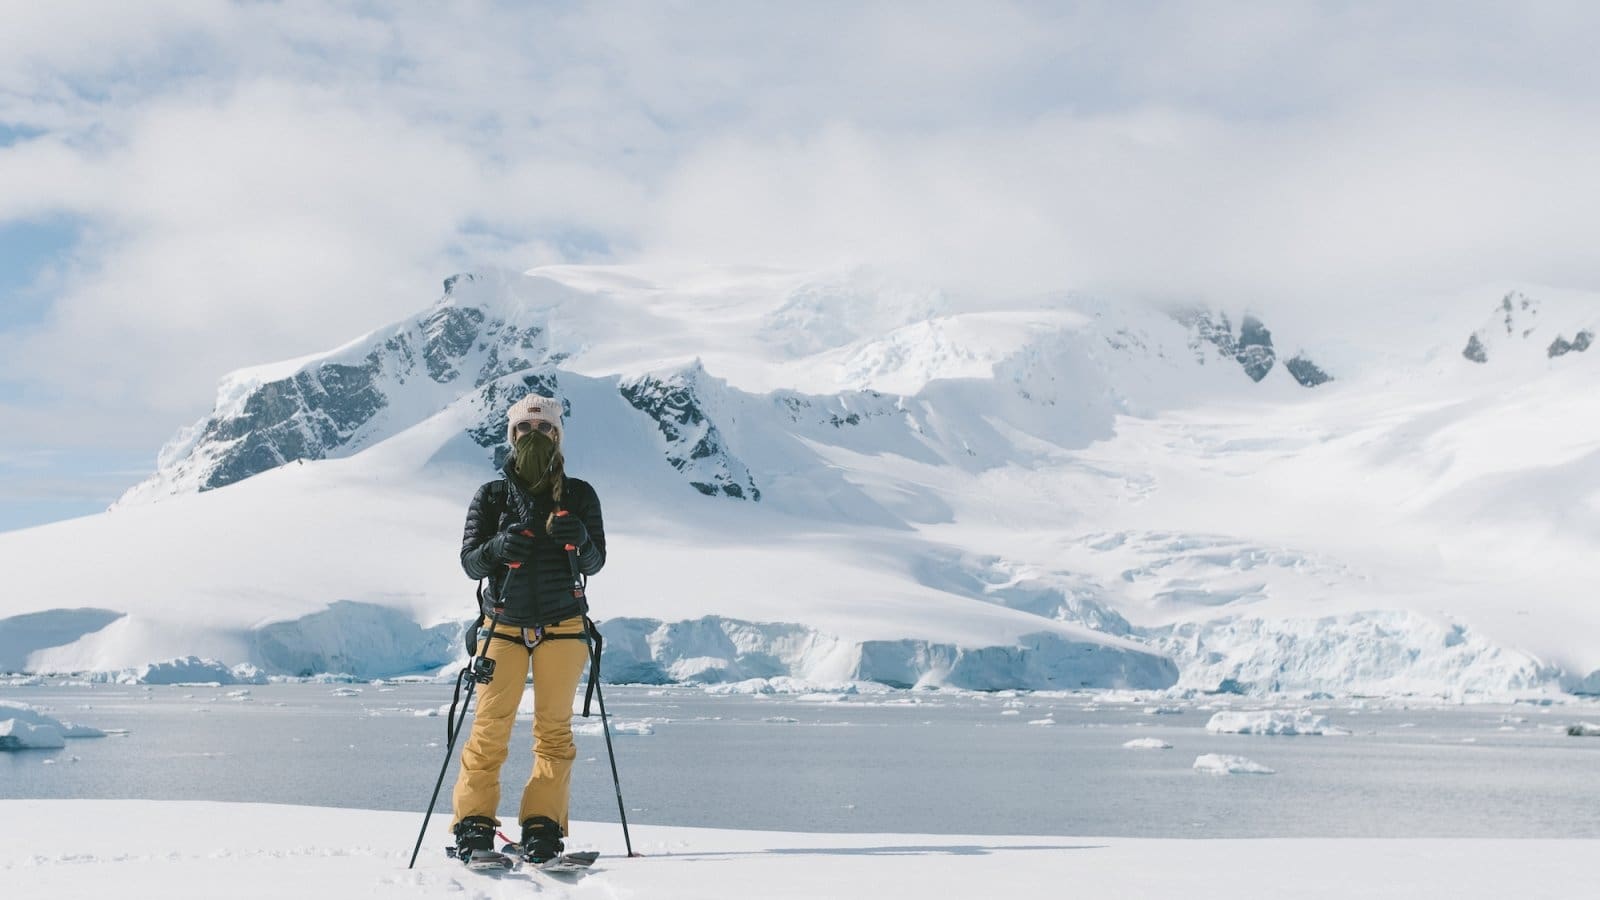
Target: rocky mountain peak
{"points": [[1518, 319], [1251, 347]]}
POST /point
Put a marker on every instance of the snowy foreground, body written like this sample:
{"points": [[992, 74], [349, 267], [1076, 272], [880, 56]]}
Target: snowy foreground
{"points": [[136, 848]]}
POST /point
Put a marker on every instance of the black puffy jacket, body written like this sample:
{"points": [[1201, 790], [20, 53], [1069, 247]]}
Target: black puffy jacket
{"points": [[540, 592]]}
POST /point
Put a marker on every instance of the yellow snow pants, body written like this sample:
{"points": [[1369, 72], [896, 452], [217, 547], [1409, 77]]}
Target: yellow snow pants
{"points": [[556, 665]]}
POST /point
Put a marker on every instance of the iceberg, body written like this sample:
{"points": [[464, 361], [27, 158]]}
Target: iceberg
{"points": [[1223, 764]]}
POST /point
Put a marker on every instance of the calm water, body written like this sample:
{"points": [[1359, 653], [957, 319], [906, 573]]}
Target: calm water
{"points": [[900, 762]]}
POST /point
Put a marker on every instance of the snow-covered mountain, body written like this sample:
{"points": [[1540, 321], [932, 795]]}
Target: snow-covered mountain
{"points": [[839, 477]]}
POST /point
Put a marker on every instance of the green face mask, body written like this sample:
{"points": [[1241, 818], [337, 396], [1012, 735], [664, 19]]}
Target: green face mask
{"points": [[535, 453]]}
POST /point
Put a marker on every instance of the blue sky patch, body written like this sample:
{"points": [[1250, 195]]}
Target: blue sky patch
{"points": [[26, 250]]}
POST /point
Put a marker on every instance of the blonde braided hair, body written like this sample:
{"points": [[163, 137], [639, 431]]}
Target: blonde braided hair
{"points": [[558, 480]]}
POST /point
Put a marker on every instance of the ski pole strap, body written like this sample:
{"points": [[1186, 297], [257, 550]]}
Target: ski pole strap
{"points": [[596, 643], [450, 722]]}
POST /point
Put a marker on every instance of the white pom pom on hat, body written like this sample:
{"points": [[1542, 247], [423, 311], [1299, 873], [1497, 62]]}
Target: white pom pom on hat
{"points": [[533, 409]]}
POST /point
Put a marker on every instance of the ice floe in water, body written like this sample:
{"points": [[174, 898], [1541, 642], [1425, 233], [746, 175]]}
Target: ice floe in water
{"points": [[1223, 764], [1147, 744], [22, 727], [1272, 722], [596, 728]]}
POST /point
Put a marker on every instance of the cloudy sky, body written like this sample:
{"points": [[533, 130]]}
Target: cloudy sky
{"points": [[192, 186]]}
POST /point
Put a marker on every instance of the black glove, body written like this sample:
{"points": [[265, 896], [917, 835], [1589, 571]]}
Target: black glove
{"points": [[511, 545], [569, 529]]}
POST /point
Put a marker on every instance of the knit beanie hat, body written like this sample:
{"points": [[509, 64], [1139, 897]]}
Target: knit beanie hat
{"points": [[534, 409]]}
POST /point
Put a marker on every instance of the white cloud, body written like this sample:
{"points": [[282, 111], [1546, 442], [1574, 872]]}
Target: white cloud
{"points": [[1406, 195], [263, 180]]}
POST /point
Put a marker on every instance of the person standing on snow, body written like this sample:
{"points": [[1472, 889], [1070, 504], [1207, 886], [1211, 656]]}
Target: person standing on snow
{"points": [[531, 534]]}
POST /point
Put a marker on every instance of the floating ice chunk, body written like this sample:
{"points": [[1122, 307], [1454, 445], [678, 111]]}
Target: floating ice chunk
{"points": [[596, 728], [1271, 722], [1583, 729], [1147, 744], [346, 692], [16, 734], [1163, 710], [182, 670], [1222, 764], [781, 684], [26, 718], [69, 730], [782, 720], [1047, 720]]}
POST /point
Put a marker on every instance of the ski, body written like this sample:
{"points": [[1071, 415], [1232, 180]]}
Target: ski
{"points": [[565, 864], [486, 861], [569, 863]]}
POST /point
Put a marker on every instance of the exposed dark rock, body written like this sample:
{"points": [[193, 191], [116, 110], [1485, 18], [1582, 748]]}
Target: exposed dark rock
{"points": [[1515, 303], [301, 417], [1306, 372], [1475, 350], [1255, 348], [1579, 343], [1208, 329], [694, 445], [1251, 348], [447, 335]]}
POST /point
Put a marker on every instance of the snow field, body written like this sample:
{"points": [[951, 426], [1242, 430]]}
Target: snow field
{"points": [[90, 850]]}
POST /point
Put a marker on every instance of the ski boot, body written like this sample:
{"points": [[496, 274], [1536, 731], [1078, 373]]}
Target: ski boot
{"points": [[475, 845], [541, 840]]}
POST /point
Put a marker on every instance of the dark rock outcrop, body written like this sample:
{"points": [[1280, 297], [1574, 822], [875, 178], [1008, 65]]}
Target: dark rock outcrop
{"points": [[1306, 372], [1475, 350], [1255, 351], [695, 446], [300, 417], [1251, 348], [1579, 343]]}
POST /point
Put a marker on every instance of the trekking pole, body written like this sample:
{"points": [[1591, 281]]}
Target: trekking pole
{"points": [[605, 727], [595, 644], [481, 671]]}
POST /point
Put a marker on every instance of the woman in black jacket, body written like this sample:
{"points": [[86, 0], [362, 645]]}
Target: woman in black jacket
{"points": [[534, 535]]}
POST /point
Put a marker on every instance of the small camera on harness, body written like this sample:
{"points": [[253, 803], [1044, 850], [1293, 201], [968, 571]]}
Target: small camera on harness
{"points": [[482, 669]]}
